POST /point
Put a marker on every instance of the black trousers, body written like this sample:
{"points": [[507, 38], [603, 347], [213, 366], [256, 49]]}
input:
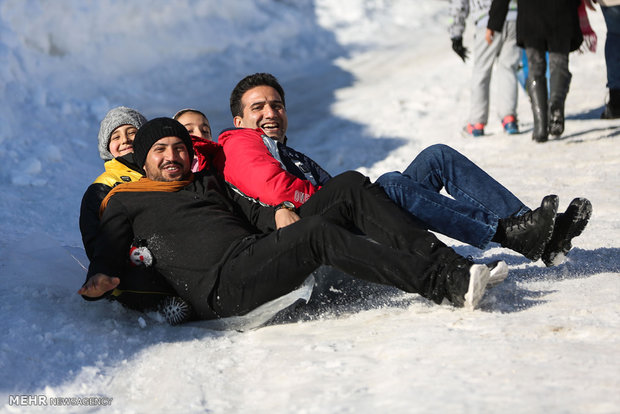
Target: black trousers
{"points": [[394, 250]]}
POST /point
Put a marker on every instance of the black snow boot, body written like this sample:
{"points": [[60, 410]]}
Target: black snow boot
{"points": [[612, 109], [559, 85], [529, 233], [537, 90], [568, 225]]}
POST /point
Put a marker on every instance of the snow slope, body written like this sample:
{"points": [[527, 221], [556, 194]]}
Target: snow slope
{"points": [[369, 84]]}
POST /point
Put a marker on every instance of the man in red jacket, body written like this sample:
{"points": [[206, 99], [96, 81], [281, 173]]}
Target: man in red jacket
{"points": [[480, 210]]}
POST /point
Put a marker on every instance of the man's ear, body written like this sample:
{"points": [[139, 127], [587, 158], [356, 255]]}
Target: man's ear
{"points": [[237, 121]]}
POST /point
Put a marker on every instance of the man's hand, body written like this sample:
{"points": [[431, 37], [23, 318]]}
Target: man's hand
{"points": [[285, 217], [489, 36], [98, 284], [459, 49]]}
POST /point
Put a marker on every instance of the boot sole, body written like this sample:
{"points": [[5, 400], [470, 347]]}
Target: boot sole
{"points": [[498, 273], [557, 250], [478, 279]]}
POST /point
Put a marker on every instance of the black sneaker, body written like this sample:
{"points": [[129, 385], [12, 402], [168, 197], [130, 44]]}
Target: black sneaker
{"points": [[568, 225], [529, 233], [175, 310]]}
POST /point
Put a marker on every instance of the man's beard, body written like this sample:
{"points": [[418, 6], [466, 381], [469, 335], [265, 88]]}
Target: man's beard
{"points": [[159, 176]]}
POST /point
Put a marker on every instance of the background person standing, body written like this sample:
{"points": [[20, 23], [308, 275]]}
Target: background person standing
{"points": [[503, 50], [550, 26], [611, 13]]}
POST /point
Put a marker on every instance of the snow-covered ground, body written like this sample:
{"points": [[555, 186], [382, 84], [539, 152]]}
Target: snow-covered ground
{"points": [[369, 84]]}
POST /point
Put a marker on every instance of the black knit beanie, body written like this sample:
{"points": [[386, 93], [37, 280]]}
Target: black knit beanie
{"points": [[153, 131]]}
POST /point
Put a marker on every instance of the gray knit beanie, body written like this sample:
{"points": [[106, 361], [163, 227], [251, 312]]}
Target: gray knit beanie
{"points": [[116, 117]]}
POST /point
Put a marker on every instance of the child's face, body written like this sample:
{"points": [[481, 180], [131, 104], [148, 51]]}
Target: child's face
{"points": [[196, 125], [121, 140]]}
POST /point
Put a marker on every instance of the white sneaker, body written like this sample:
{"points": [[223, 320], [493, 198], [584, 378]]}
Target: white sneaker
{"points": [[499, 272], [479, 275]]}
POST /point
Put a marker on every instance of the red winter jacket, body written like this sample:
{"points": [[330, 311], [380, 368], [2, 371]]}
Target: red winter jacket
{"points": [[207, 154], [252, 169]]}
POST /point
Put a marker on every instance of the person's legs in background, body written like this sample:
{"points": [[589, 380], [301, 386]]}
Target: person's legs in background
{"points": [[506, 76], [537, 91], [612, 61], [559, 84], [484, 56]]}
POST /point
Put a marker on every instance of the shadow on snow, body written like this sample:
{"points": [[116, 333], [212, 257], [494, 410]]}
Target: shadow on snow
{"points": [[338, 294]]}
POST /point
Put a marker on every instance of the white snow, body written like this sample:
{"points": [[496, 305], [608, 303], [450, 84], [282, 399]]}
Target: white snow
{"points": [[369, 84]]}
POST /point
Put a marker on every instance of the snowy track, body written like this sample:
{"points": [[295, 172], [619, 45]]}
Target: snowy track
{"points": [[369, 84]]}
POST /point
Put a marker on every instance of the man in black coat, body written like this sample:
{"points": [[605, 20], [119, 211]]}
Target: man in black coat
{"points": [[223, 254]]}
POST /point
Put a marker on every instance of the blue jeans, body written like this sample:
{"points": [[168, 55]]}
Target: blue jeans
{"points": [[477, 203], [612, 45]]}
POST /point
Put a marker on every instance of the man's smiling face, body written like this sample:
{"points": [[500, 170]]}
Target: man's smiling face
{"points": [[263, 108], [168, 160]]}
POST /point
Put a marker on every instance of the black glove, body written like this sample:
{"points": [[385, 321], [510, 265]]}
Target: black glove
{"points": [[459, 49]]}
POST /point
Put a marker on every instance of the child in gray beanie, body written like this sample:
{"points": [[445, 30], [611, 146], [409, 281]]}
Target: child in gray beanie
{"points": [[142, 288], [120, 123], [115, 118]]}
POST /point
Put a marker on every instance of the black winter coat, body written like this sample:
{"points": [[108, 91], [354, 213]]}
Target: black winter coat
{"points": [[191, 233], [121, 169], [550, 25]]}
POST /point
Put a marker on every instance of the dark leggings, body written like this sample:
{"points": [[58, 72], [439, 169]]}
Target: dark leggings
{"points": [[537, 64]]}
